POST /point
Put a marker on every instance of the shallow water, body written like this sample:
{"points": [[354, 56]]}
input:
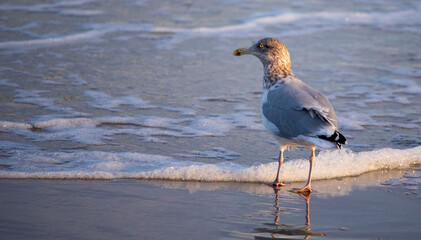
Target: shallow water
{"points": [[141, 89], [132, 209]]}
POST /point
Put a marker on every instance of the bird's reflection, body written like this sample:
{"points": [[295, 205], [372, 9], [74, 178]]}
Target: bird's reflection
{"points": [[280, 231]]}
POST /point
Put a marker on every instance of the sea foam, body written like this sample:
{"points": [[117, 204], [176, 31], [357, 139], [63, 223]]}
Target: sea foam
{"points": [[92, 131], [28, 161], [104, 101]]}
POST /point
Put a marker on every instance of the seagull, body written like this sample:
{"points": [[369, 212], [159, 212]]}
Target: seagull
{"points": [[292, 111]]}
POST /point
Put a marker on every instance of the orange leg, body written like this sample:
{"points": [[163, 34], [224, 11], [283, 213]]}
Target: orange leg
{"points": [[307, 187], [278, 183]]}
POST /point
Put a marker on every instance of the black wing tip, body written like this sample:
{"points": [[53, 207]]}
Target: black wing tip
{"points": [[336, 137]]}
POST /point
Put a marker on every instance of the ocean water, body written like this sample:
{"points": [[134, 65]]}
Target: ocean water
{"points": [[143, 89]]}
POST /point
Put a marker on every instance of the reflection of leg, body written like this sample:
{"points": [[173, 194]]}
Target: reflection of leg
{"points": [[306, 196], [307, 187], [278, 209], [277, 182], [308, 211], [287, 230]]}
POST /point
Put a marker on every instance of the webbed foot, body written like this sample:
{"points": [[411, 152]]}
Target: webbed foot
{"points": [[305, 189]]}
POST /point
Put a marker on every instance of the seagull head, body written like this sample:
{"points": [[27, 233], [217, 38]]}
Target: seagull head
{"points": [[270, 51]]}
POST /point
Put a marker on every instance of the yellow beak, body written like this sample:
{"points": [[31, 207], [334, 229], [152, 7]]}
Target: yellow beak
{"points": [[241, 51]]}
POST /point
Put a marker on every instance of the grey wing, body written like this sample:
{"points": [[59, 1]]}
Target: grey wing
{"points": [[315, 102], [299, 110]]}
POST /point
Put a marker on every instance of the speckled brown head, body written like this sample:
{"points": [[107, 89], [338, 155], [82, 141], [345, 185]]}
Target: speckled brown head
{"points": [[272, 53]]}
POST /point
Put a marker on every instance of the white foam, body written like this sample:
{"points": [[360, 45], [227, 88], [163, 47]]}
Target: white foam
{"points": [[104, 101], [77, 80], [183, 20], [418, 120], [51, 82], [33, 97], [52, 41], [54, 7], [81, 130], [61, 8], [151, 128], [93, 35], [403, 71], [363, 93], [356, 121], [91, 130], [5, 82], [12, 146], [285, 24], [359, 97], [20, 71], [406, 85], [243, 107], [33, 163], [289, 24], [81, 12], [409, 181], [14, 125]]}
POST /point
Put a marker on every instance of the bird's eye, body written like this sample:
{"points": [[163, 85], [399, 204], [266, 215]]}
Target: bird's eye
{"points": [[261, 46]]}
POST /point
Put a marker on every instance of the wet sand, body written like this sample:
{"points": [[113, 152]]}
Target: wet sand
{"points": [[349, 208]]}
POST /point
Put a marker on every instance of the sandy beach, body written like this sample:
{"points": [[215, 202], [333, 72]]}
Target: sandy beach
{"points": [[349, 208]]}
